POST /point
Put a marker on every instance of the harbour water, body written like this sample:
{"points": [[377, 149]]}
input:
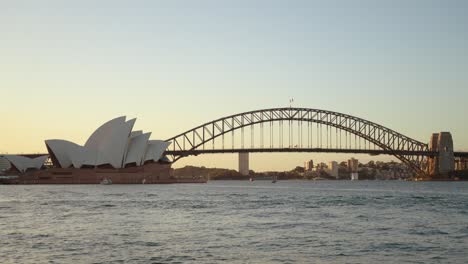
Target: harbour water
{"points": [[236, 222]]}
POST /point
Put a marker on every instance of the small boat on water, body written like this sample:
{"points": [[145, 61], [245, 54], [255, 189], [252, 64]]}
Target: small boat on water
{"points": [[275, 179], [251, 179], [106, 181]]}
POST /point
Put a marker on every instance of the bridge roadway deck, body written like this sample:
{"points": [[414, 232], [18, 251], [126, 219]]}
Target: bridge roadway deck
{"points": [[374, 152], [312, 150]]}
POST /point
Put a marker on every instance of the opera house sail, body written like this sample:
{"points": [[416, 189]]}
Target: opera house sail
{"points": [[114, 152]]}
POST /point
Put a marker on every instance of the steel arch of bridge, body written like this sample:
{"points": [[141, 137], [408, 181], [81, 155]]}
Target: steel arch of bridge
{"points": [[406, 149]]}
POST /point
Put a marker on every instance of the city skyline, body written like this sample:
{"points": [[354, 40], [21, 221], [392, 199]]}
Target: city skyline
{"points": [[69, 67]]}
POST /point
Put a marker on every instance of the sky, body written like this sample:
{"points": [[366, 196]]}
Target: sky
{"points": [[66, 67]]}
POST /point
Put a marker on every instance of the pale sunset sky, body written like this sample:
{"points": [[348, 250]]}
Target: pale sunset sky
{"points": [[66, 67]]}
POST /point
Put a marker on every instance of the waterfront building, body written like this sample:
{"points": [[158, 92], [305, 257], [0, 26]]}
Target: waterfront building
{"points": [[353, 166], [113, 152], [4, 164], [22, 164], [333, 169], [309, 165], [112, 145]]}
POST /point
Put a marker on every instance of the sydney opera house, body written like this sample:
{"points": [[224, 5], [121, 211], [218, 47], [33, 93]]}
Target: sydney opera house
{"points": [[113, 153]]}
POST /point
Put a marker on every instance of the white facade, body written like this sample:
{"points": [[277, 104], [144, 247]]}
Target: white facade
{"points": [[65, 152], [24, 163], [135, 133], [111, 148], [155, 149], [136, 149], [4, 164], [333, 169], [113, 144], [99, 135], [87, 157]]}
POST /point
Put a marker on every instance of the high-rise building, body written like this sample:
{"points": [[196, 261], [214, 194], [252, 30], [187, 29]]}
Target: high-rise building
{"points": [[309, 165], [333, 169], [353, 165]]}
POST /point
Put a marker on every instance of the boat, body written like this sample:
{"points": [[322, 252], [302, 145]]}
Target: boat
{"points": [[251, 179], [106, 181], [319, 179], [275, 179]]}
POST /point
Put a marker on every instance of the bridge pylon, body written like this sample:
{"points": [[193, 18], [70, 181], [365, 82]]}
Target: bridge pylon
{"points": [[244, 163], [444, 161]]}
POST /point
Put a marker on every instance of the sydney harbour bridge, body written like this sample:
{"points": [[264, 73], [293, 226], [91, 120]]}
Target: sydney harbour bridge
{"points": [[293, 129]]}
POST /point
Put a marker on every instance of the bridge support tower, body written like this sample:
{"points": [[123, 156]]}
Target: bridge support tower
{"points": [[244, 163], [444, 162]]}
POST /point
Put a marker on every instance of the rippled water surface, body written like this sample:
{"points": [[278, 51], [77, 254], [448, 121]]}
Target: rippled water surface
{"points": [[236, 222]]}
